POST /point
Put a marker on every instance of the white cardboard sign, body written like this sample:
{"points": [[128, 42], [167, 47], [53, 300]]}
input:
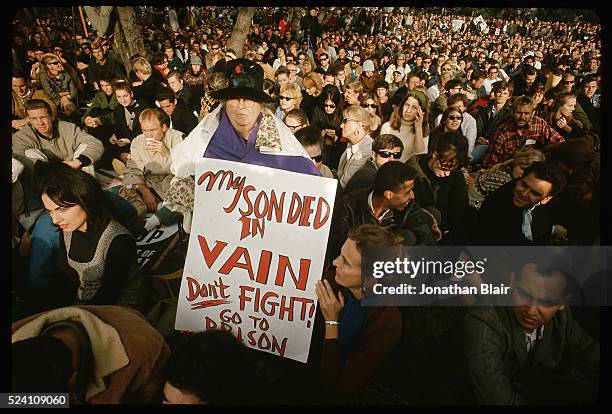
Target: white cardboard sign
{"points": [[256, 249]]}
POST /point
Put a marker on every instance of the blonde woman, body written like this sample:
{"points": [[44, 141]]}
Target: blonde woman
{"points": [[356, 127], [487, 181], [409, 122], [290, 98]]}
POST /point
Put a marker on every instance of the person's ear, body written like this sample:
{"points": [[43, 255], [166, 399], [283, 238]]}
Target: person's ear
{"points": [[546, 199]]}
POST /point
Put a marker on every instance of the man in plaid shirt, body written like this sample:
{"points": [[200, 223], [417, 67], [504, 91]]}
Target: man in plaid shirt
{"points": [[525, 128]]}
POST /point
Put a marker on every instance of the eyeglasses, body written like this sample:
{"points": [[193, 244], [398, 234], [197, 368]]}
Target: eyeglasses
{"points": [[569, 82], [323, 59], [370, 105], [294, 127], [286, 98], [427, 61], [455, 117], [215, 48], [388, 154], [54, 63], [357, 62], [329, 105], [345, 120], [317, 158]]}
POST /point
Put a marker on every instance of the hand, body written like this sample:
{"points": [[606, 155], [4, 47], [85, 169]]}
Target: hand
{"points": [[562, 122], [560, 231], [122, 142], [92, 122], [149, 199], [18, 123], [418, 121], [330, 305], [76, 164], [113, 140], [481, 141], [158, 146]]}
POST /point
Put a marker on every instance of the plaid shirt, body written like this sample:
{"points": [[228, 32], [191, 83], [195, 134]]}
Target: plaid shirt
{"points": [[507, 139]]}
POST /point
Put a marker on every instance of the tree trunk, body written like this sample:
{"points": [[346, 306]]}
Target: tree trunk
{"points": [[127, 40], [296, 25], [241, 30]]}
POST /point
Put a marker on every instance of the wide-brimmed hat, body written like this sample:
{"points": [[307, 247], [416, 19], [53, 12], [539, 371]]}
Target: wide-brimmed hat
{"points": [[245, 79]]}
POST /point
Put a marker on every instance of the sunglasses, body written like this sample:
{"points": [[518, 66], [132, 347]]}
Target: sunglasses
{"points": [[569, 82], [329, 105], [286, 98], [427, 61], [215, 48], [317, 158], [356, 62], [54, 63], [455, 117], [388, 154], [323, 59], [370, 105], [294, 127]]}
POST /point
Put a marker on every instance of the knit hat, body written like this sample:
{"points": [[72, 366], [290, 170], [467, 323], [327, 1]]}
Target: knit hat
{"points": [[368, 66], [420, 96], [195, 60]]}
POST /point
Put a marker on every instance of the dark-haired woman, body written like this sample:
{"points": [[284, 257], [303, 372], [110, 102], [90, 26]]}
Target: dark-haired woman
{"points": [[97, 253], [327, 116]]}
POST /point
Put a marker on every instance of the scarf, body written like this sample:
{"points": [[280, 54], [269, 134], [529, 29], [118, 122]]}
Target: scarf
{"points": [[351, 321]]}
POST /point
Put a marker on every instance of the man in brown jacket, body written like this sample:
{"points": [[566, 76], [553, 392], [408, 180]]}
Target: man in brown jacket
{"points": [[97, 354]]}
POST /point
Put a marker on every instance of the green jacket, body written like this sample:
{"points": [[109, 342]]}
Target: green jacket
{"points": [[102, 108]]}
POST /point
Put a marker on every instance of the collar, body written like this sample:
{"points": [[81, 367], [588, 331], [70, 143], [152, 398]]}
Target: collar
{"points": [[371, 207], [536, 334], [54, 135]]}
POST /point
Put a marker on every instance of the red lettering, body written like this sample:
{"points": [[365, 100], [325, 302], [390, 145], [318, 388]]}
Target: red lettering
{"points": [[249, 209], [294, 208], [233, 262], [284, 264], [306, 211], [210, 257], [243, 298], [264, 267], [261, 213], [318, 221], [264, 302], [276, 206]]}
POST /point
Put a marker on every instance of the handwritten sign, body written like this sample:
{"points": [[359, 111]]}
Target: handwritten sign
{"points": [[256, 249]]}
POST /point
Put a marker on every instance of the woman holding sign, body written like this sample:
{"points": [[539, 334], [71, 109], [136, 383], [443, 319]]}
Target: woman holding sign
{"points": [[358, 340], [240, 129]]}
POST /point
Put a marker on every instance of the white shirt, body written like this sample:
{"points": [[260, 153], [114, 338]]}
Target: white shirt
{"points": [[371, 207], [530, 338], [468, 128]]}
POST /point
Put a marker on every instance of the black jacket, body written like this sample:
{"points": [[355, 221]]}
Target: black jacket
{"points": [[121, 127], [499, 222], [183, 119], [353, 210]]}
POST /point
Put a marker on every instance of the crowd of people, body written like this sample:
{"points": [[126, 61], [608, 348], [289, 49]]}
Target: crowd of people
{"points": [[440, 129]]}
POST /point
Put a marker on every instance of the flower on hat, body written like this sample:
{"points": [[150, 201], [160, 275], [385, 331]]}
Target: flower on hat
{"points": [[238, 69]]}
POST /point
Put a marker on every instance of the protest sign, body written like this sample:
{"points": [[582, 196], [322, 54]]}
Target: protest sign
{"points": [[256, 249]]}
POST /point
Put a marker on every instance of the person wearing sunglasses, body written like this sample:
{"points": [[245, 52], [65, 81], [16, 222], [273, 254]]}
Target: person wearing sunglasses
{"points": [[369, 103], [295, 120], [327, 116], [467, 123], [60, 86], [388, 202], [450, 121], [310, 138], [440, 183], [356, 126], [290, 98], [385, 148]]}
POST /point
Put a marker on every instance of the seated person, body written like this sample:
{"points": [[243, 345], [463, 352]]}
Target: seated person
{"points": [[183, 91], [181, 118], [150, 86], [522, 203], [41, 243], [440, 183], [98, 119], [58, 84], [534, 352], [127, 125], [524, 128], [310, 138], [96, 354], [358, 340], [486, 182], [97, 253], [386, 147], [241, 129], [356, 126], [21, 94], [198, 371], [388, 203], [147, 176]]}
